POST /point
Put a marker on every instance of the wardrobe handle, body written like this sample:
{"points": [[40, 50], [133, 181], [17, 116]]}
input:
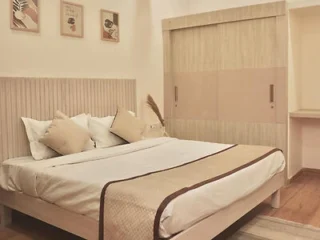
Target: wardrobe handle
{"points": [[271, 92], [176, 94]]}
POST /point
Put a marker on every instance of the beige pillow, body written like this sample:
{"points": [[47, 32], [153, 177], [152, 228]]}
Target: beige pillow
{"points": [[36, 130], [127, 126], [64, 136], [82, 121]]}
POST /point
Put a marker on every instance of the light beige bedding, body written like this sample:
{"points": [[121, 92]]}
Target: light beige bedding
{"points": [[75, 182]]}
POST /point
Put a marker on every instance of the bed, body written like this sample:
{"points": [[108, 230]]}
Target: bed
{"points": [[154, 181]]}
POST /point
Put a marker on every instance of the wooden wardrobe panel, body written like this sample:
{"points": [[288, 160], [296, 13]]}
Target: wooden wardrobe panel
{"points": [[248, 44], [270, 9], [282, 41], [195, 49], [196, 95], [247, 133], [228, 132], [168, 81], [244, 95], [201, 130], [168, 96]]}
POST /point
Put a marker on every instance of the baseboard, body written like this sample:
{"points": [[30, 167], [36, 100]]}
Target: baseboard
{"points": [[302, 171], [298, 174], [311, 170]]}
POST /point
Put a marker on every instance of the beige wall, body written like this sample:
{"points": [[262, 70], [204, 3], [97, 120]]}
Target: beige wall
{"points": [[310, 143], [51, 55], [148, 47]]}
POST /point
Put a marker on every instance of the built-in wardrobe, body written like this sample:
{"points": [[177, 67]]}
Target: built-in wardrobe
{"points": [[225, 75]]}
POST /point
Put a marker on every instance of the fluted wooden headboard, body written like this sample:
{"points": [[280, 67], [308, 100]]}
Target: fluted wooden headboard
{"points": [[39, 98]]}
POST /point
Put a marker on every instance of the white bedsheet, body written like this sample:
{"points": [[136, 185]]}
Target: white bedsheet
{"points": [[74, 182]]}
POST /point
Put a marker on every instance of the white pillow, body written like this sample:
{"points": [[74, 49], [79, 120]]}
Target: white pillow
{"points": [[36, 129], [99, 129]]}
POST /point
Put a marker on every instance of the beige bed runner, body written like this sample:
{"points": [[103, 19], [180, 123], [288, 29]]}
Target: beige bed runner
{"points": [[132, 208]]}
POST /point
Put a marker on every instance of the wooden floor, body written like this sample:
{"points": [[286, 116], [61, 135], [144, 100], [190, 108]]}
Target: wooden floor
{"points": [[300, 202]]}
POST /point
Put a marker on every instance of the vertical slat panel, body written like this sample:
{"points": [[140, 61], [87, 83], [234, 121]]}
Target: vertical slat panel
{"points": [[79, 99], [24, 109], [99, 98], [56, 95], [73, 98], [3, 123], [13, 99], [19, 108], [107, 97], [50, 89], [9, 117], [39, 98], [112, 97]]}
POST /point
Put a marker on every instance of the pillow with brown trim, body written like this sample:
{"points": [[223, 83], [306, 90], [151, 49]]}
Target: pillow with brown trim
{"points": [[127, 126]]}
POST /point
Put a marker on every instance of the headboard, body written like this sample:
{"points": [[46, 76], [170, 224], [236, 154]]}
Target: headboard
{"points": [[39, 98]]}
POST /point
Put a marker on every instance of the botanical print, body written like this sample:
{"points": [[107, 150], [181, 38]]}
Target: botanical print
{"points": [[109, 26], [25, 15], [71, 19]]}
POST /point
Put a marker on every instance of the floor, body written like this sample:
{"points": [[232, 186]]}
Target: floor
{"points": [[300, 202]]}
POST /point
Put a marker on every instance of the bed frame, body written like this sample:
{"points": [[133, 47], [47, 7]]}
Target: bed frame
{"points": [[89, 229], [40, 98]]}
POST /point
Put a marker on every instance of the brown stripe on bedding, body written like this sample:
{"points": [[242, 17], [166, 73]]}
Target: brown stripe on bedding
{"points": [[176, 194], [134, 212], [103, 192]]}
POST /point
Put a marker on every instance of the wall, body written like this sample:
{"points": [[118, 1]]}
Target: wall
{"points": [[308, 52], [149, 47], [310, 143], [51, 55]]}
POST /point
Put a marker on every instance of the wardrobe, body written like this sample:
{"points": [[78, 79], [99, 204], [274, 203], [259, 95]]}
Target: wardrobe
{"points": [[225, 75]]}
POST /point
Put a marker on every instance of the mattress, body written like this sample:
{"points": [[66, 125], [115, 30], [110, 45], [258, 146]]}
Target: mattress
{"points": [[75, 182]]}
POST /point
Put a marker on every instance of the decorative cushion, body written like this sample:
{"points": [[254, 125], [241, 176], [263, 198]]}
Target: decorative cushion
{"points": [[100, 132], [36, 130], [127, 126], [66, 137]]}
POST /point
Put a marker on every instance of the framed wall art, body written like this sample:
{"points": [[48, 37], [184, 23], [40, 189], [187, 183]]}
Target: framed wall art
{"points": [[109, 26], [24, 15], [71, 19]]}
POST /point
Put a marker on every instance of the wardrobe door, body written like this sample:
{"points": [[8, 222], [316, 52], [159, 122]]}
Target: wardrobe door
{"points": [[195, 61], [247, 78]]}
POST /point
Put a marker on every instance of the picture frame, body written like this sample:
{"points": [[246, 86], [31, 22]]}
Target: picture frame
{"points": [[110, 27], [71, 19], [24, 15]]}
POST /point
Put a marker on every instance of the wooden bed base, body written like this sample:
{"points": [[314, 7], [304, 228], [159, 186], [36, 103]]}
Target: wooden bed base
{"points": [[87, 228]]}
